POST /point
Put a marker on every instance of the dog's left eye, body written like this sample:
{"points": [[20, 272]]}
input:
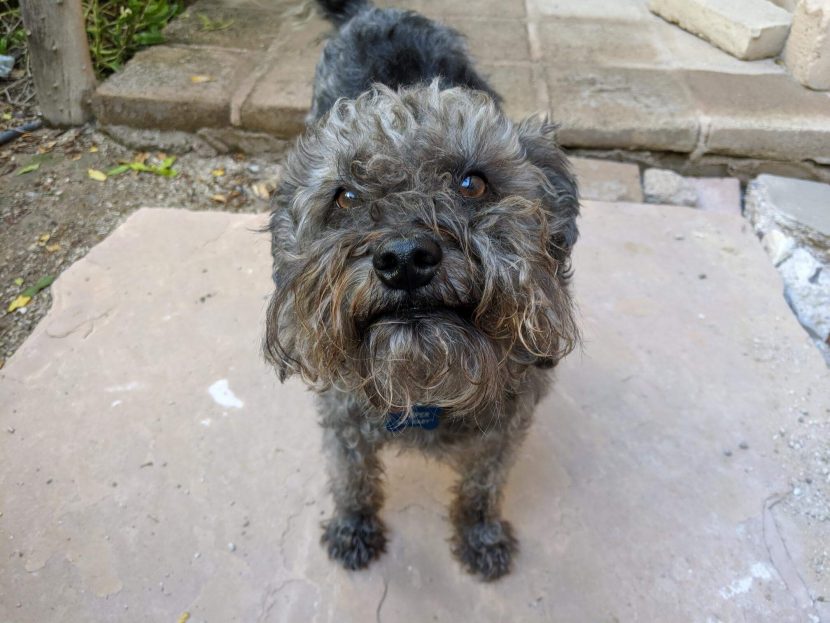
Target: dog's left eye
{"points": [[346, 199], [472, 186]]}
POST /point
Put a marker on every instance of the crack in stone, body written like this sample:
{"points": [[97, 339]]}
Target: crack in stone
{"points": [[87, 321], [269, 601], [382, 599], [781, 559]]}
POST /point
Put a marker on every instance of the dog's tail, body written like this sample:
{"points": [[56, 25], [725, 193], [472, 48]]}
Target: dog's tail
{"points": [[339, 12]]}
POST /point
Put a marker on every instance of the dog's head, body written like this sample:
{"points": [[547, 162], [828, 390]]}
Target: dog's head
{"points": [[421, 246]]}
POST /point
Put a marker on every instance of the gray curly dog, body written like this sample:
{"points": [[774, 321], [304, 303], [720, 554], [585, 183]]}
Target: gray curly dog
{"points": [[421, 244]]}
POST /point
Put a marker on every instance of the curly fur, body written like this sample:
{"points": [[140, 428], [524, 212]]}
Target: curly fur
{"points": [[476, 339]]}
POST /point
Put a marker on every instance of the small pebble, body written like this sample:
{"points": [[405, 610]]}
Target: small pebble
{"points": [[196, 555], [231, 547], [743, 445], [702, 276], [10, 430], [727, 452]]}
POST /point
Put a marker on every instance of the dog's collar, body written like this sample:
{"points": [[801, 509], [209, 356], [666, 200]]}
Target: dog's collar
{"points": [[420, 416]]}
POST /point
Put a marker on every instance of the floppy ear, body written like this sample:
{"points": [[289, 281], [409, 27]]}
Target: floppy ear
{"points": [[280, 331], [560, 196]]}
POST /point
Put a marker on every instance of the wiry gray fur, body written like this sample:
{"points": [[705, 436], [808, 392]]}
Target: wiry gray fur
{"points": [[476, 340]]}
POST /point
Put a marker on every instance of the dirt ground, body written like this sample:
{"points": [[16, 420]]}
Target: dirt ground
{"points": [[53, 215]]}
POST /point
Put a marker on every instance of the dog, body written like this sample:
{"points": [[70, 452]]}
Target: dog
{"points": [[421, 248]]}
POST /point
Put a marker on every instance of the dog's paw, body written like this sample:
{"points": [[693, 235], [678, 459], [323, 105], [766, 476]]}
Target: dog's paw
{"points": [[485, 549], [354, 540]]}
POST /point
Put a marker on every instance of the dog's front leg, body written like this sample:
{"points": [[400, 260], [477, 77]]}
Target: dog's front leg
{"points": [[482, 541], [354, 536]]}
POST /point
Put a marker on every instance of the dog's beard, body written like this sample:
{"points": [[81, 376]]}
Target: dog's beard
{"points": [[437, 358]]}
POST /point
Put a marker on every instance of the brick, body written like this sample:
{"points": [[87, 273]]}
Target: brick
{"points": [[747, 29], [155, 89], [604, 180], [762, 116], [622, 107], [807, 54]]}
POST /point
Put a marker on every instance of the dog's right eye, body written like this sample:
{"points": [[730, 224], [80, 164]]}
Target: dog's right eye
{"points": [[346, 199]]}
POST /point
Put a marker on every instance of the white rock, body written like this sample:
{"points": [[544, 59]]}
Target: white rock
{"points": [[799, 208], [807, 54], [747, 29], [667, 187], [807, 288], [778, 246]]}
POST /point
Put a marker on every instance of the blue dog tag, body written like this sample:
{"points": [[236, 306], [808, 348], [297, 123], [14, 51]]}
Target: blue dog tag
{"points": [[422, 416]]}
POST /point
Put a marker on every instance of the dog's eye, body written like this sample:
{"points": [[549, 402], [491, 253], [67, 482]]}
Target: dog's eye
{"points": [[346, 199], [472, 186]]}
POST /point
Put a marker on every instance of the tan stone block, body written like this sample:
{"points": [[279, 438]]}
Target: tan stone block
{"points": [[226, 26], [515, 84], [173, 88], [605, 180], [622, 107], [747, 29], [807, 54], [493, 40], [567, 41], [763, 116], [589, 9], [281, 97], [470, 9]]}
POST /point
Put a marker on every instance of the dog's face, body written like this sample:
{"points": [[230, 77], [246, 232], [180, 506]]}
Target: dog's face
{"points": [[421, 247]]}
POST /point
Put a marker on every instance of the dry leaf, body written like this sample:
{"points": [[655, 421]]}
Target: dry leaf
{"points": [[184, 617], [43, 238], [219, 198], [201, 79], [20, 301], [262, 190], [218, 172], [51, 248], [75, 157], [98, 176], [93, 149], [46, 147]]}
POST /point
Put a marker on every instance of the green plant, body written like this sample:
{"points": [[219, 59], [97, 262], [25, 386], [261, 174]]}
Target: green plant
{"points": [[117, 29], [12, 34]]}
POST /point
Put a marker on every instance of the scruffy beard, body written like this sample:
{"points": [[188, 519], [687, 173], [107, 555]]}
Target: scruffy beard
{"points": [[437, 358]]}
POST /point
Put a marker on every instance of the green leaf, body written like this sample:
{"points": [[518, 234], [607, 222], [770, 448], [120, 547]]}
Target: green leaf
{"points": [[28, 168], [121, 168], [40, 284], [168, 162]]}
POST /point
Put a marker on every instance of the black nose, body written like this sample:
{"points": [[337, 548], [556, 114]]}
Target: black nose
{"points": [[407, 263]]}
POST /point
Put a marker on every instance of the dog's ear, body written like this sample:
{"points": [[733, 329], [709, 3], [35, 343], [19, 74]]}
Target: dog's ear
{"points": [[279, 340], [559, 189]]}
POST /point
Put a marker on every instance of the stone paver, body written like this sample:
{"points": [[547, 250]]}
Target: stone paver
{"points": [[718, 194], [747, 29], [615, 76], [151, 465], [604, 108], [173, 88], [604, 180]]}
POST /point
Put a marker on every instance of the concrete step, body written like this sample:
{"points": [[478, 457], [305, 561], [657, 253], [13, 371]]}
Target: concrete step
{"points": [[614, 76], [151, 464]]}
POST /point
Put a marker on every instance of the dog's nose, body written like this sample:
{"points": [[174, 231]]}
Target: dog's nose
{"points": [[407, 263]]}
